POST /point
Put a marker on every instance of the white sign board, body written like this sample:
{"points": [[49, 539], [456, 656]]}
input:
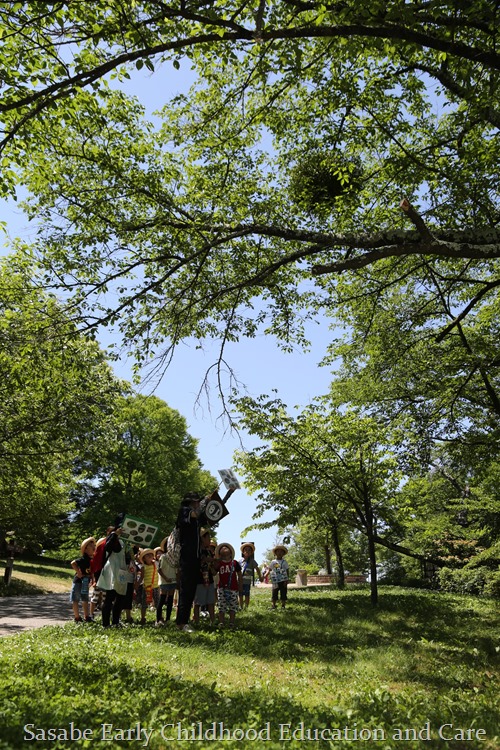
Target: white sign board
{"points": [[229, 478], [137, 531]]}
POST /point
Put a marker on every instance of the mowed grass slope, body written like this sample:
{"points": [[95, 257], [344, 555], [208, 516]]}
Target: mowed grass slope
{"points": [[330, 671], [32, 577]]}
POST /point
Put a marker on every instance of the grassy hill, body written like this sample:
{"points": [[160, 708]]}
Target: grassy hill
{"points": [[38, 576], [420, 671]]}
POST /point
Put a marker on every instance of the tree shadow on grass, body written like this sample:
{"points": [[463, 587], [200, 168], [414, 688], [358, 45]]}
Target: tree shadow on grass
{"points": [[343, 627], [110, 696], [95, 677]]}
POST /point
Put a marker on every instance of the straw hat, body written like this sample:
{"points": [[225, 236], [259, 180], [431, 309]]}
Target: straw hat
{"points": [[84, 544], [204, 530], [144, 552], [163, 544], [280, 546], [158, 549], [224, 544], [248, 544], [213, 544]]}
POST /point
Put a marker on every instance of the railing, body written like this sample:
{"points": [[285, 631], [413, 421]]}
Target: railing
{"points": [[303, 579]]}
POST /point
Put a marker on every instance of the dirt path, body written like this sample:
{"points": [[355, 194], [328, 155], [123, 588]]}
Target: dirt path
{"points": [[18, 613]]}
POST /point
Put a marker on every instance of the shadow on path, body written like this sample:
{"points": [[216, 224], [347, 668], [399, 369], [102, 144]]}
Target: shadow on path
{"points": [[18, 613]]}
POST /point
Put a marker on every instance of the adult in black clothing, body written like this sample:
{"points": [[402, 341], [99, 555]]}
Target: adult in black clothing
{"points": [[190, 519]]}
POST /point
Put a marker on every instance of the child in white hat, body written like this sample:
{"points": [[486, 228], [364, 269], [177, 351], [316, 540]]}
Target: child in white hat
{"points": [[248, 566], [230, 583], [278, 570]]}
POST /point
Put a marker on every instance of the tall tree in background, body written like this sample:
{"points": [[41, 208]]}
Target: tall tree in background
{"points": [[322, 466], [149, 465], [330, 159], [57, 395], [281, 170]]}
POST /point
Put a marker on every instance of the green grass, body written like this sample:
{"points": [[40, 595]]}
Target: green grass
{"points": [[419, 661], [30, 578]]}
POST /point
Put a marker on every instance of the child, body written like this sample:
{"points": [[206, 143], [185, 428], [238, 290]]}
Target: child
{"points": [[168, 584], [265, 573], [132, 569], [82, 579], [205, 590], [230, 583], [213, 547], [248, 565], [278, 570], [148, 580], [156, 591], [97, 564]]}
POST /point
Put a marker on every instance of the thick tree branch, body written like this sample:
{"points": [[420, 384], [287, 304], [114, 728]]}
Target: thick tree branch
{"points": [[406, 551], [228, 32], [460, 244]]}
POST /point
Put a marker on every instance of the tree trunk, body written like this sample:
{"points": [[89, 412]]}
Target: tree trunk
{"points": [[338, 557], [328, 559], [373, 569], [370, 533]]}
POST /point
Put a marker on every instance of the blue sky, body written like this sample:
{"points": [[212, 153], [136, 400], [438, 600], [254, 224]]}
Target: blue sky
{"points": [[258, 363]]}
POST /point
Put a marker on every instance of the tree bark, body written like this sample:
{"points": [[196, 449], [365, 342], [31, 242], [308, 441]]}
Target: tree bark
{"points": [[338, 556], [372, 555]]}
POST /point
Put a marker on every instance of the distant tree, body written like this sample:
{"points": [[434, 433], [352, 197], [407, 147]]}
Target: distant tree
{"points": [[311, 547], [453, 509], [149, 464], [322, 465], [57, 395]]}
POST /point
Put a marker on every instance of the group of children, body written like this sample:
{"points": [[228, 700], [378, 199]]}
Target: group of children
{"points": [[152, 582]]}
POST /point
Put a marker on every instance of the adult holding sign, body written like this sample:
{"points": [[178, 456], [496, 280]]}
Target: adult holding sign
{"points": [[190, 519]]}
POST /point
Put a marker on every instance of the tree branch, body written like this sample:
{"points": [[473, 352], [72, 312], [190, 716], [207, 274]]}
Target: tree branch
{"points": [[487, 288]]}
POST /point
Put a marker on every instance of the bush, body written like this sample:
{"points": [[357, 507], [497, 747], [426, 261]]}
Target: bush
{"points": [[489, 558], [492, 585], [479, 581]]}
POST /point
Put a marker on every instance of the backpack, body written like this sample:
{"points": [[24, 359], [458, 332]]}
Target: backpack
{"points": [[173, 547]]}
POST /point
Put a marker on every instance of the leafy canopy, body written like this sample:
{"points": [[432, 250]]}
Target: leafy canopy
{"points": [[57, 394]]}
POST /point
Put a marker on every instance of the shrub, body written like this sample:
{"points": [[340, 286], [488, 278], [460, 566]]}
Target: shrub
{"points": [[490, 558], [470, 580], [492, 585]]}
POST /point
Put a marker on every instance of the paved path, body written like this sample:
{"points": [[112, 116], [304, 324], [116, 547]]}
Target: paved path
{"points": [[18, 613]]}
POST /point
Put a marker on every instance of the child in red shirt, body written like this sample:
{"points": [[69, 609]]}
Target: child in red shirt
{"points": [[230, 583]]}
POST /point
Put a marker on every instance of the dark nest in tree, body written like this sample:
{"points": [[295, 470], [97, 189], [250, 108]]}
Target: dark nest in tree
{"points": [[319, 178]]}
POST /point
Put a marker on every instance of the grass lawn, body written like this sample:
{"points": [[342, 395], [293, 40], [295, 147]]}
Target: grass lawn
{"points": [[330, 671], [36, 577]]}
